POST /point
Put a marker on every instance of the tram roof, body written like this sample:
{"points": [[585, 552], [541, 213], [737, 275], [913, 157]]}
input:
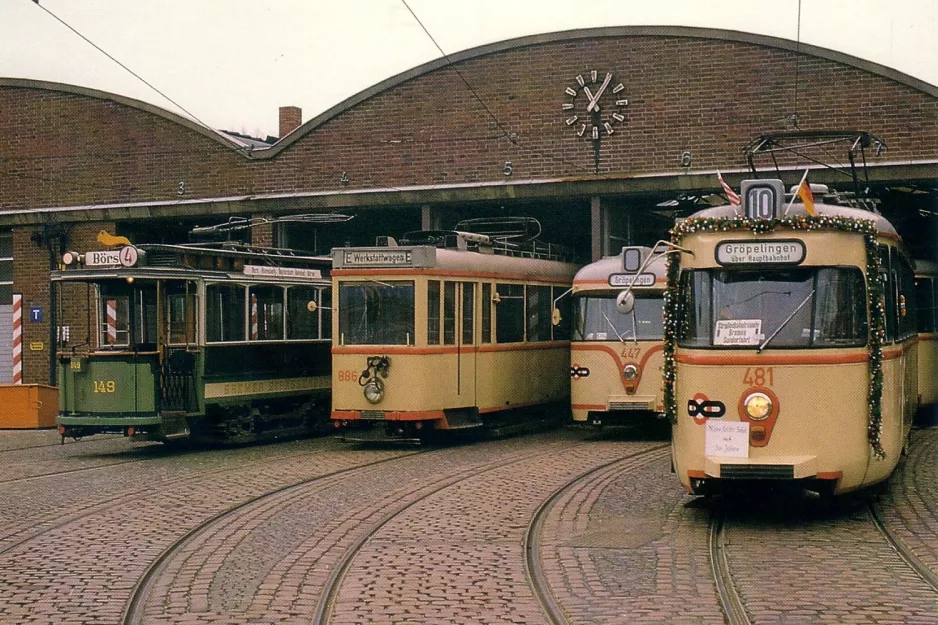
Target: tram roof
{"points": [[596, 276], [798, 209]]}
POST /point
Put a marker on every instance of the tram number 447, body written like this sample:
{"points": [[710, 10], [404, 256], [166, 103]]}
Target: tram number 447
{"points": [[104, 386], [759, 376]]}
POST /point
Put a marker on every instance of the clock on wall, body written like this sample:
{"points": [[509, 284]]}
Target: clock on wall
{"points": [[595, 105]]}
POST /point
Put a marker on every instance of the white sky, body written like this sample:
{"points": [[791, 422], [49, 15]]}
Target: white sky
{"points": [[232, 63]]}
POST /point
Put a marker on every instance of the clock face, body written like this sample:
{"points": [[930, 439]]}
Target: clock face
{"points": [[595, 104]]}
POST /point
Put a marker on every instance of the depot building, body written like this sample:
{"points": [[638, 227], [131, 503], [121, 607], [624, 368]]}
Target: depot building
{"points": [[604, 135]]}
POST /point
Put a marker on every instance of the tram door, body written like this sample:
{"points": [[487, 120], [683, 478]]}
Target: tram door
{"points": [[466, 342], [180, 346]]}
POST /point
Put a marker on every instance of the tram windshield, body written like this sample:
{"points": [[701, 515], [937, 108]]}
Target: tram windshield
{"points": [[376, 313], [781, 308], [596, 318]]}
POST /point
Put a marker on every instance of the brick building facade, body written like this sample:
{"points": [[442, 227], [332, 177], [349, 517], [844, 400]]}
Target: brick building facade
{"points": [[481, 132]]}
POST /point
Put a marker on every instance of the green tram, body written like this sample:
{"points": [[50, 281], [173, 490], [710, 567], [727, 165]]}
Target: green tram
{"points": [[202, 341]]}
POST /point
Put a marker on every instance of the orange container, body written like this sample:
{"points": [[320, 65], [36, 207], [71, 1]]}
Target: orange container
{"points": [[28, 406]]}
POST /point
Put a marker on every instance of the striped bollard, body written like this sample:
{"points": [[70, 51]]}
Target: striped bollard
{"points": [[253, 317], [17, 338], [111, 305]]}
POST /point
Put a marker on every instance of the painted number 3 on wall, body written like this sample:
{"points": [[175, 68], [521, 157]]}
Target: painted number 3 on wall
{"points": [[104, 386]]}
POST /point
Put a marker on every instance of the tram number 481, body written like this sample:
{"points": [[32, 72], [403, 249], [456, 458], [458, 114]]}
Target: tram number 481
{"points": [[759, 376], [104, 386]]}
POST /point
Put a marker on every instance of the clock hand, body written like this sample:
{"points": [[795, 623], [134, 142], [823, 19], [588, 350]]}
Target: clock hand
{"points": [[589, 94], [595, 99]]}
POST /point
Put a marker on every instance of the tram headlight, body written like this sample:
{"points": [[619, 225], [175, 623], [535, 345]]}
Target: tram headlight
{"points": [[758, 406], [630, 372], [374, 390]]}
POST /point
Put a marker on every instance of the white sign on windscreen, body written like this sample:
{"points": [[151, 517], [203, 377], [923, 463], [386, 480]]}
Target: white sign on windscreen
{"points": [[728, 439], [738, 332]]}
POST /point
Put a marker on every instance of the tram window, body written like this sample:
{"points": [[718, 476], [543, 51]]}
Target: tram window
{"points": [[376, 313], [181, 312], [509, 314], [302, 323], [433, 312], [145, 317], [907, 300], [925, 301], [266, 313], [325, 307], [598, 319], [889, 290], [486, 312], [225, 313], [449, 313], [115, 327], [694, 314], [840, 318], [468, 312], [537, 313], [564, 305]]}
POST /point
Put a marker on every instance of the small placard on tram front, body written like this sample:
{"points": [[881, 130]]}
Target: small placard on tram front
{"points": [[377, 258], [738, 332], [631, 279], [776, 251], [728, 439]]}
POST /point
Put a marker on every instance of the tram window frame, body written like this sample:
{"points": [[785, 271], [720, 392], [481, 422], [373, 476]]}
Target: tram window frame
{"points": [[391, 320], [537, 307], [449, 312], [563, 301], [190, 306], [889, 292], [467, 299], [906, 281], [433, 312], [271, 313], [509, 314], [299, 308], [925, 304], [239, 314], [487, 305], [122, 317]]}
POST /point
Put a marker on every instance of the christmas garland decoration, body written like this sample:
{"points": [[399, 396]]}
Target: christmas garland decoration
{"points": [[875, 302]]}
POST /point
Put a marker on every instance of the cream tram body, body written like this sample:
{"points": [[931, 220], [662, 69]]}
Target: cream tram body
{"points": [[435, 338], [926, 301], [616, 357], [772, 365]]}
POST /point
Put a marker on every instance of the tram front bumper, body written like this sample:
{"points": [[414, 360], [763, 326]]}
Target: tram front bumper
{"points": [[765, 468]]}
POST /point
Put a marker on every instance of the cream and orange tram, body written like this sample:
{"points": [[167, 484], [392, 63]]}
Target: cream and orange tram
{"points": [[790, 345], [448, 330], [616, 350]]}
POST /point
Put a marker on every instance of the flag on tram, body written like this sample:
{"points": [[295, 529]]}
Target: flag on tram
{"points": [[804, 192], [731, 195]]}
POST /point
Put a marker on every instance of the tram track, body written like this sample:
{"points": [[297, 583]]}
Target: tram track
{"points": [[730, 602], [907, 555], [534, 571]]}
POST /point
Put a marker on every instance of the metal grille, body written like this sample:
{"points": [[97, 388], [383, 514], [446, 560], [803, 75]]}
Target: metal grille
{"points": [[179, 381], [757, 471], [628, 405], [373, 415]]}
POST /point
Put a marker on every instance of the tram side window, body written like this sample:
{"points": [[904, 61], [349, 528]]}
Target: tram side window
{"points": [[563, 330], [694, 314], [509, 314], [266, 313], [224, 313], [907, 303], [303, 323], [181, 312], [538, 313], [925, 301], [486, 312], [841, 308], [468, 313], [449, 313], [889, 291], [433, 312]]}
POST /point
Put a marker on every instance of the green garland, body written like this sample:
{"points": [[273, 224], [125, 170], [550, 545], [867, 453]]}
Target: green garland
{"points": [[876, 308]]}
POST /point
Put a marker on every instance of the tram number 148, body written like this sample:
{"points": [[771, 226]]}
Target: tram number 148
{"points": [[104, 386], [759, 376]]}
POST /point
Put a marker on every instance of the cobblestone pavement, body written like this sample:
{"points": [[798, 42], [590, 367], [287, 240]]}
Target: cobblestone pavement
{"points": [[438, 536]]}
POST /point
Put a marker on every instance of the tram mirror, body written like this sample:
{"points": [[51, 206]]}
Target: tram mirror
{"points": [[625, 302], [555, 317], [311, 306], [631, 259]]}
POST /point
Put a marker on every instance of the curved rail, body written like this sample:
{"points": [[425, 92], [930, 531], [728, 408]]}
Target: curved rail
{"points": [[134, 609], [532, 537], [907, 555], [730, 601]]}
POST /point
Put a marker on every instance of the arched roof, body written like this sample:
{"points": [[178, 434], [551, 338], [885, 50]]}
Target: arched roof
{"points": [[597, 33]]}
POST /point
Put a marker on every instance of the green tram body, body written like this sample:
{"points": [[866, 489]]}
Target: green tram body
{"points": [[215, 343]]}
